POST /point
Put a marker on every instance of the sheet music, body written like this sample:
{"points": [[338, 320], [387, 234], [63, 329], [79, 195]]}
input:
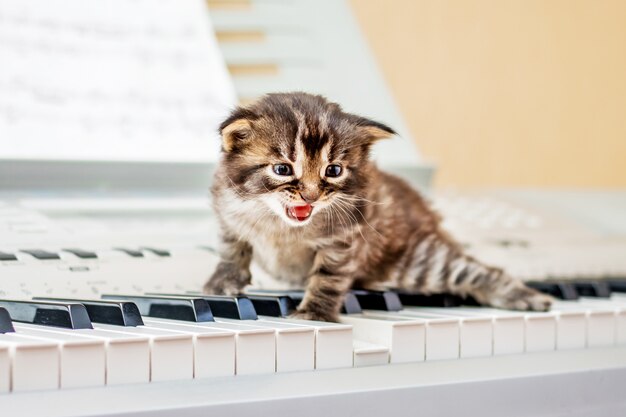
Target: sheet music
{"points": [[139, 80]]}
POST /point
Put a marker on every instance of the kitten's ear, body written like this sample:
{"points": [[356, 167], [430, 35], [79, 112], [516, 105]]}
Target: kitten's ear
{"points": [[373, 131], [236, 128]]}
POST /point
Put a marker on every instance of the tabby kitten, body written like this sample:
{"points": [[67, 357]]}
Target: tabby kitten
{"points": [[296, 191]]}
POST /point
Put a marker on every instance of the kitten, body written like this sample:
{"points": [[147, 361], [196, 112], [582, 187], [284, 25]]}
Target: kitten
{"points": [[296, 191]]}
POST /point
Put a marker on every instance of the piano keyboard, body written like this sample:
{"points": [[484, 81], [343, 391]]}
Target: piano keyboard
{"points": [[59, 343]]}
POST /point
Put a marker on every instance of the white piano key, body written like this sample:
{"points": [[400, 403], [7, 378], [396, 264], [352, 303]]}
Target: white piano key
{"points": [[127, 355], [368, 354], [214, 349], [540, 332], [475, 332], [601, 329], [571, 329], [255, 347], [5, 368], [618, 302], [333, 342], [82, 360], [295, 345], [405, 337], [620, 327], [171, 353], [34, 362], [508, 334]]}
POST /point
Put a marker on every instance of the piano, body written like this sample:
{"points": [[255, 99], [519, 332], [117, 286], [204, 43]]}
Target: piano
{"points": [[103, 249]]}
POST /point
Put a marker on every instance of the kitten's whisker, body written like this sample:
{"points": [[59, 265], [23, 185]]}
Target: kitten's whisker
{"points": [[353, 217], [357, 198], [368, 223], [364, 218], [350, 220]]}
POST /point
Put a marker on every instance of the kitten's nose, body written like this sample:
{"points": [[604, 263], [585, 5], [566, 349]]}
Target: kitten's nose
{"points": [[310, 196]]}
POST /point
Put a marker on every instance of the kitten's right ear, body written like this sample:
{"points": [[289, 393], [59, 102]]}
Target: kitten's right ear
{"points": [[236, 128]]}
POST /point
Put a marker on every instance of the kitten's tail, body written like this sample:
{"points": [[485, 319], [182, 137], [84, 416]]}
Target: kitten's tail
{"points": [[438, 265]]}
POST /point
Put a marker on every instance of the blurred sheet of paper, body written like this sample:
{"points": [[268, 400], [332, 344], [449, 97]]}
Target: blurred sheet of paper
{"points": [[133, 80]]}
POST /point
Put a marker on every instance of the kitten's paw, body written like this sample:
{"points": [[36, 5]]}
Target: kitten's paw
{"points": [[313, 315], [524, 299], [226, 280], [220, 288]]}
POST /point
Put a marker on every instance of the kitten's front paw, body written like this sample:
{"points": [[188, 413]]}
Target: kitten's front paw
{"points": [[523, 298], [313, 315], [226, 280]]}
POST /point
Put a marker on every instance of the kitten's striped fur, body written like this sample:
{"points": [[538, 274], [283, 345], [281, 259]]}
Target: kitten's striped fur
{"points": [[368, 228]]}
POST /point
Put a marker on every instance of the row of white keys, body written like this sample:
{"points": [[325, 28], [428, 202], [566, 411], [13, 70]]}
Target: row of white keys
{"points": [[607, 316], [595, 323], [127, 356], [214, 349], [295, 345], [333, 341], [273, 344], [569, 325], [82, 361], [254, 349], [511, 332], [471, 335], [507, 328], [461, 332], [171, 353]]}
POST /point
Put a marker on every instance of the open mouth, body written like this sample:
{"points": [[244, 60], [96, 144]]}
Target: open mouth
{"points": [[299, 213]]}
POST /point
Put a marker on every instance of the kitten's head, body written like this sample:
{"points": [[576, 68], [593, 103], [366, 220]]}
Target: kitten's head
{"points": [[298, 153]]}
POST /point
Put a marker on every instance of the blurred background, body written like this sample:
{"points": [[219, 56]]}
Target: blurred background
{"points": [[508, 93], [496, 93]]}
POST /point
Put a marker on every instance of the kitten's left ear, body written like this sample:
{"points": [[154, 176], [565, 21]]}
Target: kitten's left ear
{"points": [[373, 131], [236, 128]]}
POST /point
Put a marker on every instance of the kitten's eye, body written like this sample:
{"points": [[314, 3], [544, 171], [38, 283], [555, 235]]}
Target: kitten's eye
{"points": [[283, 169], [333, 170]]}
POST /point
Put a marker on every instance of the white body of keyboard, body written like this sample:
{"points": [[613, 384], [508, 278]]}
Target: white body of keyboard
{"points": [[436, 361]]}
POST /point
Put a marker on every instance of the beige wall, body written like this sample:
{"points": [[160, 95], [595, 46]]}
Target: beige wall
{"points": [[508, 92]]}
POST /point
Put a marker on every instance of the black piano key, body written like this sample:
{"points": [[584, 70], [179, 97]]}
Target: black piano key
{"points": [[559, 289], [41, 254], [296, 296], [83, 254], [57, 314], [593, 288], [6, 326], [158, 252], [430, 300], [228, 307], [7, 257], [130, 252], [166, 307], [378, 300], [351, 304], [272, 305], [617, 284], [117, 313], [282, 307]]}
